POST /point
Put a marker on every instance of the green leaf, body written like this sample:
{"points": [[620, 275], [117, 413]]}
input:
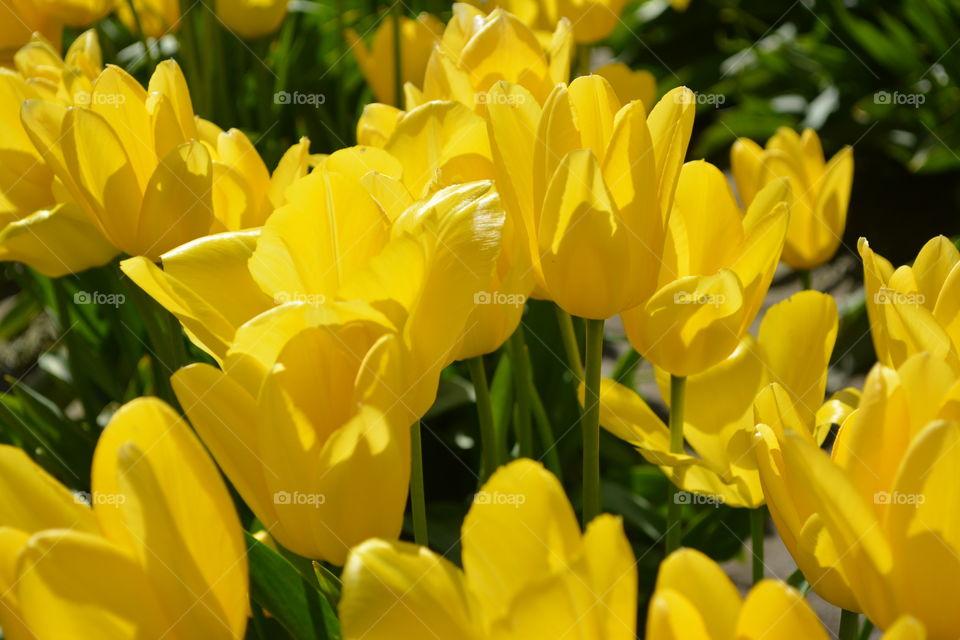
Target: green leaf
{"points": [[295, 603]]}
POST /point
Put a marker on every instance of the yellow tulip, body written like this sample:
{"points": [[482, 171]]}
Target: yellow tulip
{"points": [[628, 84], [417, 38], [53, 238], [820, 190], [590, 20], [160, 552], [75, 13], [914, 308], [136, 163], [528, 573], [252, 18], [792, 349], [157, 17], [694, 598], [379, 325], [717, 265], [871, 528], [589, 178], [19, 20]]}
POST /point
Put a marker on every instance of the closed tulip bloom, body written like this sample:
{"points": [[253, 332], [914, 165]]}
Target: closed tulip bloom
{"points": [[160, 552], [870, 525], [914, 308], [157, 17], [252, 18], [630, 84], [19, 20], [75, 13], [417, 37], [694, 598], [717, 265], [136, 163], [591, 20], [528, 573], [820, 190], [792, 349], [602, 174]]}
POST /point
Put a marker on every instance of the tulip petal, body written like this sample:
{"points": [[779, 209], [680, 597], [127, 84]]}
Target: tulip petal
{"points": [[701, 582], [55, 242], [671, 123], [180, 526], [518, 529], [399, 591], [774, 610]]}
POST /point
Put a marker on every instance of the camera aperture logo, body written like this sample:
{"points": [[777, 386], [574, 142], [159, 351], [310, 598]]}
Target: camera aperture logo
{"points": [[886, 497], [909, 99], [892, 296], [497, 297], [495, 497], [96, 297], [91, 499], [296, 97], [299, 499], [685, 497], [284, 297]]}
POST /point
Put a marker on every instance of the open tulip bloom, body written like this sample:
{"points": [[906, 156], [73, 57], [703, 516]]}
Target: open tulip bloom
{"points": [[304, 313]]}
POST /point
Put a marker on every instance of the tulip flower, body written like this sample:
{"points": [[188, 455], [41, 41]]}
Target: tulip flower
{"points": [[717, 265], [914, 308], [157, 18], [53, 238], [417, 37], [75, 13], [792, 349], [19, 20], [591, 20], [870, 525], [142, 170], [379, 325], [629, 84], [160, 552], [527, 573], [820, 190], [252, 18], [694, 598]]}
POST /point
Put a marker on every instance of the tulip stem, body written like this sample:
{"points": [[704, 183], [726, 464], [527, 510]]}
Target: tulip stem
{"points": [[570, 343], [590, 421], [418, 503], [144, 40], [397, 56], [545, 430], [583, 60], [521, 376], [678, 385], [488, 435], [806, 279], [849, 625], [758, 521], [866, 629]]}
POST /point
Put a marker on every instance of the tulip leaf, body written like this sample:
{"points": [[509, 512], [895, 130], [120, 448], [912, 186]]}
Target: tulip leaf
{"points": [[295, 603]]}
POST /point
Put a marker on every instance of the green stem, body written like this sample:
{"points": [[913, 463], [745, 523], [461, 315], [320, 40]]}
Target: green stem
{"points": [[866, 629], [806, 279], [147, 52], [678, 386], [849, 625], [418, 502], [758, 520], [521, 375], [488, 435], [583, 60], [397, 56], [545, 431], [570, 343], [590, 422]]}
